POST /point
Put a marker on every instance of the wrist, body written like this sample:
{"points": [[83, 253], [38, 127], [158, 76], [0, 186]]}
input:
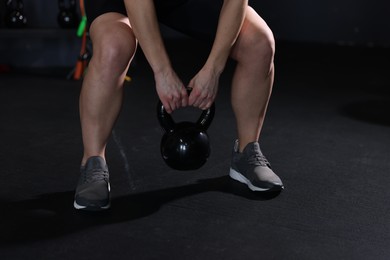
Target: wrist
{"points": [[214, 67], [216, 62], [157, 58], [162, 70]]}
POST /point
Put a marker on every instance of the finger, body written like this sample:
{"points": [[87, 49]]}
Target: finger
{"points": [[197, 103], [202, 100], [191, 96], [177, 103], [203, 104], [180, 101], [167, 106], [173, 105], [194, 99], [207, 102], [184, 98], [191, 100], [206, 106]]}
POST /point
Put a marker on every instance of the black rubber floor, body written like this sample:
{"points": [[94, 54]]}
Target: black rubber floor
{"points": [[327, 135]]}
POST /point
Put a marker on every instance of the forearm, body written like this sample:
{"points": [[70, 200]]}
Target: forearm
{"points": [[144, 22], [230, 21]]}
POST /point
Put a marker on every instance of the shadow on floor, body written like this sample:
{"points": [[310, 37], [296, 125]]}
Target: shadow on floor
{"points": [[52, 215]]}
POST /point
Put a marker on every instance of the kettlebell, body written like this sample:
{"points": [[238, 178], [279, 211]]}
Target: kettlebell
{"points": [[185, 145], [14, 16], [67, 16]]}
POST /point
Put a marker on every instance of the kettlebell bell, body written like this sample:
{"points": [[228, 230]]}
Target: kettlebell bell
{"points": [[14, 17], [67, 16], [185, 145]]}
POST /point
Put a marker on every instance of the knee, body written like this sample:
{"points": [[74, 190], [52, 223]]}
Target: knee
{"points": [[113, 53], [262, 44], [259, 45], [256, 44]]}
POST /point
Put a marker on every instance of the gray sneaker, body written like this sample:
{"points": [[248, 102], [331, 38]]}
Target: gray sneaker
{"points": [[252, 168], [93, 188]]}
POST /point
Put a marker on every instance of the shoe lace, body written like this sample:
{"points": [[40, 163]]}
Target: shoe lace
{"points": [[258, 160], [96, 175]]}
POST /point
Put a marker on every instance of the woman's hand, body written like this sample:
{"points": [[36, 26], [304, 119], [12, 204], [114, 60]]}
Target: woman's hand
{"points": [[204, 88], [170, 90]]}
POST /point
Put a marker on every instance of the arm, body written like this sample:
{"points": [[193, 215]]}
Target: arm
{"points": [[145, 26], [205, 83], [230, 22]]}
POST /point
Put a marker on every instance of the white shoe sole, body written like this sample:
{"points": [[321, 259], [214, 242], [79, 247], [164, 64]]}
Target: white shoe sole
{"points": [[241, 178], [91, 208]]}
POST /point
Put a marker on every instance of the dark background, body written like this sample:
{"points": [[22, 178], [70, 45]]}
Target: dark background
{"points": [[331, 22], [326, 135]]}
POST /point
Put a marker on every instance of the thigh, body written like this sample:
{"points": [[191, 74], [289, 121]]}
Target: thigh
{"points": [[195, 18]]}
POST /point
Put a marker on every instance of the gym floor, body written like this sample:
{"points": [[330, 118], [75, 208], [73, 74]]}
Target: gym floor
{"points": [[326, 135]]}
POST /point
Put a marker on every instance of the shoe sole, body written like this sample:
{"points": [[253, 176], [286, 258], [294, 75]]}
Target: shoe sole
{"points": [[90, 208], [241, 178], [93, 208]]}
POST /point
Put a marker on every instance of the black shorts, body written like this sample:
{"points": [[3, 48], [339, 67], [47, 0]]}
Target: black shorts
{"points": [[195, 18]]}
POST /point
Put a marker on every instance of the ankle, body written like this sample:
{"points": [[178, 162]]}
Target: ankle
{"points": [[87, 156], [241, 145]]}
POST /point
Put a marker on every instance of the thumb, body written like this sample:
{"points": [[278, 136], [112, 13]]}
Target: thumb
{"points": [[190, 88]]}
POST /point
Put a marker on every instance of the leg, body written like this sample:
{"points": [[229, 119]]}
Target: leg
{"points": [[251, 90], [114, 46], [253, 78]]}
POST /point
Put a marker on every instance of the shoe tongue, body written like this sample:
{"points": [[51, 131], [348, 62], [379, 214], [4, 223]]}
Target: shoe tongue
{"points": [[95, 162], [252, 148]]}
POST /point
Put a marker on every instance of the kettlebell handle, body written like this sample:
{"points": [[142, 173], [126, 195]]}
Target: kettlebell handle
{"points": [[206, 117], [164, 118], [168, 124]]}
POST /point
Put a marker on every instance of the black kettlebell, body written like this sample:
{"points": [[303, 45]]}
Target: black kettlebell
{"points": [[67, 16], [185, 145], [14, 16]]}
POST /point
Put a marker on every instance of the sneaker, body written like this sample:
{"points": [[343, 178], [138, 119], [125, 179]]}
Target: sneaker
{"points": [[252, 168], [93, 188]]}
